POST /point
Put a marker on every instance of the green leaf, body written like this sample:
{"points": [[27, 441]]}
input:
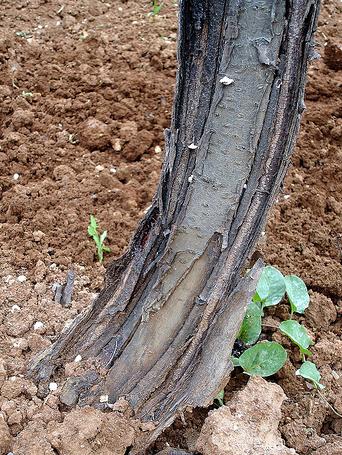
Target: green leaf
{"points": [[93, 222], [298, 334], [297, 293], [92, 228], [91, 231], [220, 397], [271, 287], [106, 249], [309, 371], [103, 236], [263, 359], [251, 325], [235, 361]]}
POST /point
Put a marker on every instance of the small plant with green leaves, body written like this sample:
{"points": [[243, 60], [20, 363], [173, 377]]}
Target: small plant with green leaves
{"points": [[267, 357], [156, 7], [27, 95], [98, 239]]}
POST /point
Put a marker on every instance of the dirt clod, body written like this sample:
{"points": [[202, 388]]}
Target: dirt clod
{"points": [[94, 134], [333, 55], [248, 424]]}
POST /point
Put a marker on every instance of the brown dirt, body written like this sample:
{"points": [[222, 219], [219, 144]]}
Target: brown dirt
{"points": [[248, 424], [85, 93]]}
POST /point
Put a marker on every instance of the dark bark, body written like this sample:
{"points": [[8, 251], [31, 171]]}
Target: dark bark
{"points": [[161, 331]]}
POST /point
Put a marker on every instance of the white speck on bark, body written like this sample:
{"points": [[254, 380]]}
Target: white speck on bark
{"points": [[190, 179], [192, 146], [226, 80]]}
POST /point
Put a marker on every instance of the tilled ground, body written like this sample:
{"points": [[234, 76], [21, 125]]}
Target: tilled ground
{"points": [[72, 70]]}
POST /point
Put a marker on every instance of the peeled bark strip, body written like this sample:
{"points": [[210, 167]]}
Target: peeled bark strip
{"points": [[161, 331]]}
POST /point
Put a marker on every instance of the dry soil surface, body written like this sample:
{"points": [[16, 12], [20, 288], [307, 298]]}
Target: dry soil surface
{"points": [[85, 92]]}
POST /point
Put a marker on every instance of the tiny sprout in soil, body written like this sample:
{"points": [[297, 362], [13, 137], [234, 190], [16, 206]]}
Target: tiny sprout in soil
{"points": [[268, 357], [156, 7], [27, 95], [98, 239]]}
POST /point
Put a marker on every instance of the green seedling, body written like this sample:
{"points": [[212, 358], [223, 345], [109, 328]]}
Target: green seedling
{"points": [[297, 334], [98, 239], [309, 371], [25, 94], [23, 34], [156, 7], [266, 358]]}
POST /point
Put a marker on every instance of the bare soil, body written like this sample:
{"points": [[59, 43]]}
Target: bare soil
{"points": [[85, 93]]}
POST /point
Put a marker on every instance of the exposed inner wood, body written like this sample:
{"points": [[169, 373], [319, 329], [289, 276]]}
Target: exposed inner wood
{"points": [[161, 331]]}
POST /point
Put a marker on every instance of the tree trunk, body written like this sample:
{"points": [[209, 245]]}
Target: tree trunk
{"points": [[161, 331]]}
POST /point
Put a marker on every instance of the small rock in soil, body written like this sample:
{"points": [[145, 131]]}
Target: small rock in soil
{"points": [[94, 134], [333, 55], [138, 145], [334, 447], [248, 424]]}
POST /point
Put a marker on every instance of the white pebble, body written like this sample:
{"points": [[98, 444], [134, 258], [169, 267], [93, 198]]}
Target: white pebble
{"points": [[16, 176], [99, 168], [112, 170], [53, 386], [104, 399], [78, 358], [335, 375], [226, 80], [192, 146], [287, 196], [21, 278], [15, 308], [157, 149], [38, 325]]}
